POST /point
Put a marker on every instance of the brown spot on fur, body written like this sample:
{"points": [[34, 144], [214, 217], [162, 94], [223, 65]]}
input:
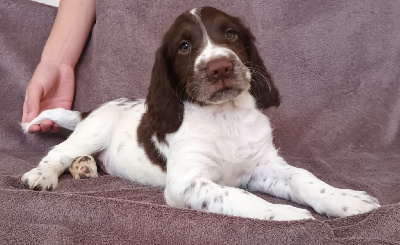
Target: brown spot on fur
{"points": [[204, 205], [144, 134], [84, 158], [26, 183], [203, 183], [219, 199], [82, 176]]}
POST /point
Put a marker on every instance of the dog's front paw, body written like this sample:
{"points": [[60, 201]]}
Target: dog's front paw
{"points": [[346, 202], [40, 178], [286, 213]]}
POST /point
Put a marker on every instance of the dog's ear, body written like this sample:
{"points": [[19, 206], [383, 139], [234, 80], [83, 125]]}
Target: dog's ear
{"points": [[164, 108], [262, 86]]}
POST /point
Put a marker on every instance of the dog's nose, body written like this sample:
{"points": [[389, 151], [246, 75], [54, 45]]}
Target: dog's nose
{"points": [[219, 68]]}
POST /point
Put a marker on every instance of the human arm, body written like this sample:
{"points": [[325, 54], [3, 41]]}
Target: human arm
{"points": [[53, 82]]}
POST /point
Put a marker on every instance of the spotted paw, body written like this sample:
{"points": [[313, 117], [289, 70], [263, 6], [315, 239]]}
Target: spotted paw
{"points": [[42, 178], [84, 167], [346, 202]]}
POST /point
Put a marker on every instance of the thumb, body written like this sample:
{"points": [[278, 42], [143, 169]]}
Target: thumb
{"points": [[31, 104]]}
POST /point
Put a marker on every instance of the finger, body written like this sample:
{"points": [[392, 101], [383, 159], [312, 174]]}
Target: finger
{"points": [[32, 99], [34, 129], [25, 113], [55, 128], [46, 125]]}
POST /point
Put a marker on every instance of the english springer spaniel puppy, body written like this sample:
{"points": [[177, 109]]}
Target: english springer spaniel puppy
{"points": [[200, 133]]}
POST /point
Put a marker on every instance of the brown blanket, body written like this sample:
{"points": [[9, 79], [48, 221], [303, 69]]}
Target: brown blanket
{"points": [[336, 64]]}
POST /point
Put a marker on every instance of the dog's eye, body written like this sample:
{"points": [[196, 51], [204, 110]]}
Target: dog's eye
{"points": [[230, 34], [184, 47]]}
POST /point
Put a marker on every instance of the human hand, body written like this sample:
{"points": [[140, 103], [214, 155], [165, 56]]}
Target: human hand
{"points": [[52, 86]]}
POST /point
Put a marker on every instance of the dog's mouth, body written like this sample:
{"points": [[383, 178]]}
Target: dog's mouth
{"points": [[209, 89], [224, 94]]}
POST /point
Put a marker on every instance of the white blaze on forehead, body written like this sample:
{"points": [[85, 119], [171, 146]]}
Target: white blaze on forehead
{"points": [[193, 11], [210, 50], [196, 13]]}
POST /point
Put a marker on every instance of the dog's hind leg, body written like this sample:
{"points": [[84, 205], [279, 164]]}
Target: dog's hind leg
{"points": [[277, 178], [90, 136], [84, 167]]}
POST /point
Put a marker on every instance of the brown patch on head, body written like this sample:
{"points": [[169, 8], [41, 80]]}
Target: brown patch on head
{"points": [[225, 31]]}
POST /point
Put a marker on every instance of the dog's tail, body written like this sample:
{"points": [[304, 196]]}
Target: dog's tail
{"points": [[65, 118]]}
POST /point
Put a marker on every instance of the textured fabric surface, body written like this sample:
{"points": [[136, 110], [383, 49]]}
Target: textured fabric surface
{"points": [[336, 64]]}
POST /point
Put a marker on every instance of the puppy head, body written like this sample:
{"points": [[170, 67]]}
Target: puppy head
{"points": [[206, 57]]}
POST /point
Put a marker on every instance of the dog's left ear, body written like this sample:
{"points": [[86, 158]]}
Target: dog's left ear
{"points": [[164, 108], [262, 86]]}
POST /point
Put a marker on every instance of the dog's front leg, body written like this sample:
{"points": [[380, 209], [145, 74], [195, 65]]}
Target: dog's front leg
{"points": [[275, 177], [45, 175], [91, 135], [200, 193]]}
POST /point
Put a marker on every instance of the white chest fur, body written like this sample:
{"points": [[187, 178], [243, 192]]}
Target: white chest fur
{"points": [[223, 142]]}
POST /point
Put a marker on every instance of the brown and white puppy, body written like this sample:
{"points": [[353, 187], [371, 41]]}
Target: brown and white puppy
{"points": [[200, 133]]}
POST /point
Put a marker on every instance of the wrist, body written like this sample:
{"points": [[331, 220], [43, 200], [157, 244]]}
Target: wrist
{"points": [[54, 65], [57, 58]]}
